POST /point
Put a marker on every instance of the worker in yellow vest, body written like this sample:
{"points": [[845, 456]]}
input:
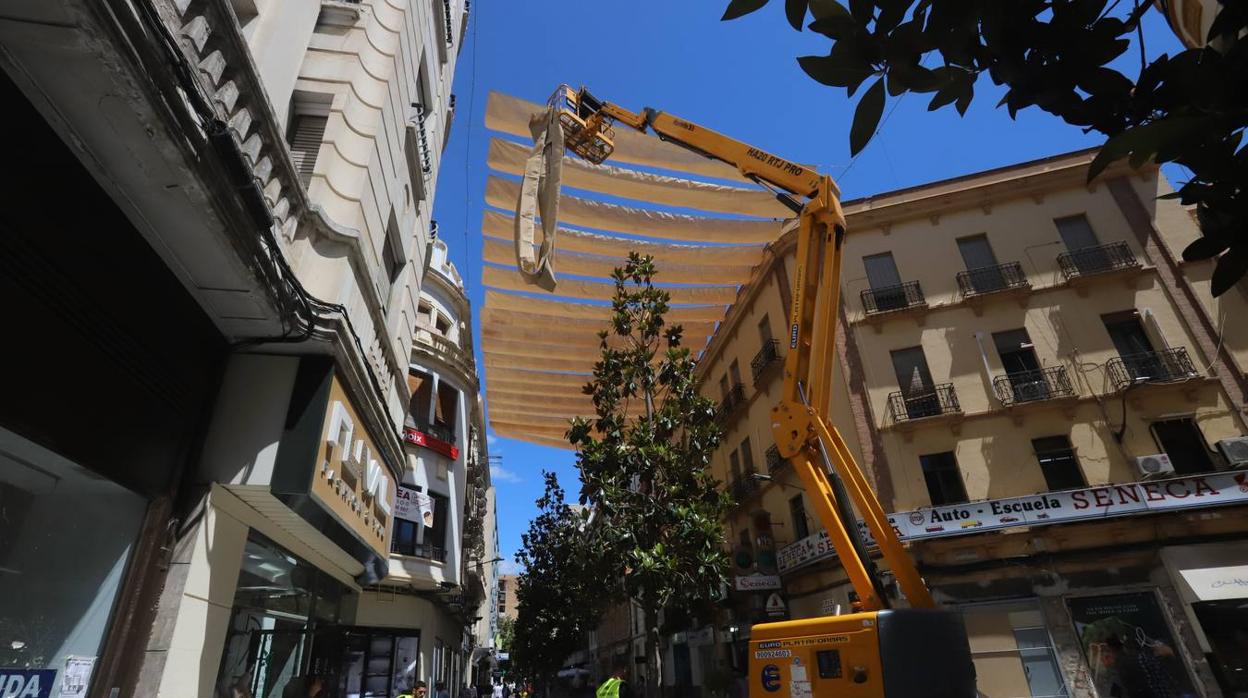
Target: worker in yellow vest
{"points": [[616, 685]]}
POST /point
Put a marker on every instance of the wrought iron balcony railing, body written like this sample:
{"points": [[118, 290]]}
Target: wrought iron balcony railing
{"points": [[442, 432], [733, 401], [1088, 261], [1150, 367], [767, 357], [977, 282], [1030, 386], [888, 298], [427, 551], [774, 460], [928, 402], [742, 487]]}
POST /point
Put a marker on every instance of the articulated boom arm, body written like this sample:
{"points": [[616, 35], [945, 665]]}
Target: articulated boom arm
{"points": [[800, 425]]}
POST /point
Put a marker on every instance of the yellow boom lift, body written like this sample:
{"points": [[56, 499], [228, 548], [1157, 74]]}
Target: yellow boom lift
{"points": [[878, 651]]}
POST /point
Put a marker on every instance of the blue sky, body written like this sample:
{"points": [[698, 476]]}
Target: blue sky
{"points": [[738, 77]]}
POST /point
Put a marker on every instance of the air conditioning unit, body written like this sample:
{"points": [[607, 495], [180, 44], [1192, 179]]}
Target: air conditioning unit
{"points": [[1235, 450], [1154, 465]]}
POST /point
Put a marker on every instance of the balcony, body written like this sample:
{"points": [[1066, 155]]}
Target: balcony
{"points": [[931, 402], [1101, 259], [1033, 386], [731, 404], [426, 551], [1166, 366], [766, 359], [742, 488], [440, 432], [893, 298], [985, 280], [432, 340], [775, 461]]}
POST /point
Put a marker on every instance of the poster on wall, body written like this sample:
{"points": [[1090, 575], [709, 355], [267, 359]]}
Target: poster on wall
{"points": [[413, 505], [1129, 647]]}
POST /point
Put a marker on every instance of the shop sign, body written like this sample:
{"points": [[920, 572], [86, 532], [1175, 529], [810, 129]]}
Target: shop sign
{"points": [[757, 582], [828, 606], [26, 683], [433, 443], [775, 606], [1129, 646], [1039, 510], [352, 483], [413, 505], [1218, 583]]}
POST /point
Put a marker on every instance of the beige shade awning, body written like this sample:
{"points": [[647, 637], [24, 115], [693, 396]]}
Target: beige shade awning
{"points": [[540, 345]]}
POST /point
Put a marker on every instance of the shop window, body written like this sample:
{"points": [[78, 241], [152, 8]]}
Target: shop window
{"points": [[66, 536], [1182, 440], [1128, 643], [944, 481], [1013, 652], [1225, 624], [1058, 463], [797, 512]]}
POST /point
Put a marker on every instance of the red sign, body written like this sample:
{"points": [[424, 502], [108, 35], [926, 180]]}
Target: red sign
{"points": [[420, 438]]}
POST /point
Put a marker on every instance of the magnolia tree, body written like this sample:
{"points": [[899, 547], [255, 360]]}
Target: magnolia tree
{"points": [[1190, 108], [656, 532]]}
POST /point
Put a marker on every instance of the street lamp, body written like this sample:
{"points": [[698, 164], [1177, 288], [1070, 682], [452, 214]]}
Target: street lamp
{"points": [[762, 477]]}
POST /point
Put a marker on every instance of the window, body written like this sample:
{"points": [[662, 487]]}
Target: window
{"points": [[724, 387], [734, 465], [885, 282], [944, 482], [1076, 232], [392, 259], [403, 541], [1182, 440], [978, 257], [435, 535], [446, 409], [421, 385], [918, 391], [1016, 351], [1127, 333], [797, 512], [306, 134], [734, 372], [744, 539], [747, 455], [1058, 463], [764, 330], [1012, 651]]}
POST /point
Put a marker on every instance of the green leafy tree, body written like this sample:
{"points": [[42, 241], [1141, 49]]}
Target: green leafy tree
{"points": [[506, 633], [1190, 108], [559, 591], [644, 462]]}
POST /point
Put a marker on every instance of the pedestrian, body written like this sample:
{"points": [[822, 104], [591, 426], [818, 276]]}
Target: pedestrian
{"points": [[497, 690], [439, 690], [616, 685], [418, 690]]}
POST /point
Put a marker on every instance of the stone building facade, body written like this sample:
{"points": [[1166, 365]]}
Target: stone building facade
{"points": [[1051, 407], [240, 274]]}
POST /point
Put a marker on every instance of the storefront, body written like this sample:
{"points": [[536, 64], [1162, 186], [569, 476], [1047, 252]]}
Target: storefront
{"points": [[1212, 581]]}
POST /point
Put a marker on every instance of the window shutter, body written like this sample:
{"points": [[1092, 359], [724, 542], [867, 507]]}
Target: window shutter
{"points": [[305, 143]]}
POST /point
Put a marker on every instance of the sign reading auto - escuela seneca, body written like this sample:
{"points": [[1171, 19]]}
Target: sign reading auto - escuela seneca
{"points": [[1042, 509]]}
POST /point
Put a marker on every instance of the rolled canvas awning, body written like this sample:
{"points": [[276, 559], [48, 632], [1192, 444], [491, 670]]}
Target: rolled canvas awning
{"points": [[540, 344]]}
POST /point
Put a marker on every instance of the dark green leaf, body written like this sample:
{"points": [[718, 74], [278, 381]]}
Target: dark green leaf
{"points": [[740, 8], [1230, 269], [862, 10], [837, 69], [837, 26], [1204, 248], [867, 117], [795, 11]]}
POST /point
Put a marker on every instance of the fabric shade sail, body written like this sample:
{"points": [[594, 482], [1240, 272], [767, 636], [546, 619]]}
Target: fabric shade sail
{"points": [[540, 345]]}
